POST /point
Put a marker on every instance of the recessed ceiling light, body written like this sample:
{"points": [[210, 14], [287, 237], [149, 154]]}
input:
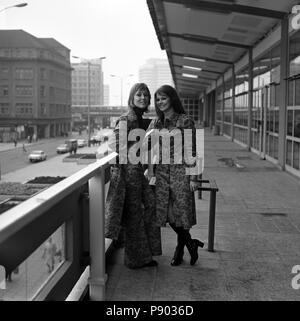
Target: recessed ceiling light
{"points": [[189, 75], [194, 59], [192, 68]]}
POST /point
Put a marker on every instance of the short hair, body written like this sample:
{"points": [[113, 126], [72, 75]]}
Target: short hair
{"points": [[174, 100], [135, 88]]}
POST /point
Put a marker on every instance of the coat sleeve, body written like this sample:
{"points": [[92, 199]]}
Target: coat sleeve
{"points": [[190, 147]]}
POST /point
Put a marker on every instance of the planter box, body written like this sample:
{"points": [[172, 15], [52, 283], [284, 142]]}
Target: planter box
{"points": [[85, 161]]}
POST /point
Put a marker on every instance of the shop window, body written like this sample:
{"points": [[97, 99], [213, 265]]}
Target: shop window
{"points": [[297, 124], [296, 152], [289, 153], [290, 123], [297, 92], [291, 93], [276, 113]]}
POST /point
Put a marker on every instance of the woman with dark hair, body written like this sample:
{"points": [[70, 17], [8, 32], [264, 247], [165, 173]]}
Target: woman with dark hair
{"points": [[130, 210], [174, 188]]}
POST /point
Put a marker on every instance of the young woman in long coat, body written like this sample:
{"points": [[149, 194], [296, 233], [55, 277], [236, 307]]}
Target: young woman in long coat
{"points": [[130, 203], [174, 191]]}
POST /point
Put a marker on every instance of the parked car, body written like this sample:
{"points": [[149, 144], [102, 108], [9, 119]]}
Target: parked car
{"points": [[95, 140], [63, 148], [81, 142], [37, 156]]}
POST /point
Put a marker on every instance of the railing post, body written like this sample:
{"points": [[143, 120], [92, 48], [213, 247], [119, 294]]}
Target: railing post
{"points": [[211, 224], [97, 277]]}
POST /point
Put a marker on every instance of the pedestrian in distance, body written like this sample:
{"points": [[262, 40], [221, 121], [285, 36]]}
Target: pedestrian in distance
{"points": [[49, 253], [130, 212], [174, 188], [24, 149]]}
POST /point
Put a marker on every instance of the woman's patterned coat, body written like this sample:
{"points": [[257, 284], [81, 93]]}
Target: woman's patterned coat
{"points": [[174, 200], [130, 207]]}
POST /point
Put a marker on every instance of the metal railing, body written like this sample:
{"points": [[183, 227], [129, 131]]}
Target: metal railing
{"points": [[26, 226]]}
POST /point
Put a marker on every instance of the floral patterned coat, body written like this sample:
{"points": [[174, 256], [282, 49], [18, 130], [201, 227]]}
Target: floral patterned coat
{"points": [[175, 203], [130, 207]]}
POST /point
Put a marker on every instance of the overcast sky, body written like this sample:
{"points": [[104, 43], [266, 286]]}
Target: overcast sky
{"points": [[120, 30]]}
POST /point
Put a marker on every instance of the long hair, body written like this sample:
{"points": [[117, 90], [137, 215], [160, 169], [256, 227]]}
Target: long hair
{"points": [[136, 87], [174, 100]]}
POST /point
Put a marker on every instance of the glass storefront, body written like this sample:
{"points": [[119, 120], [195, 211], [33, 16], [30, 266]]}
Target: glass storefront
{"points": [[265, 111], [293, 109], [241, 106]]}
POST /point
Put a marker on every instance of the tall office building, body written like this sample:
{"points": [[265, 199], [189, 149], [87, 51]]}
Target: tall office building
{"points": [[155, 72], [87, 84], [106, 95], [35, 86]]}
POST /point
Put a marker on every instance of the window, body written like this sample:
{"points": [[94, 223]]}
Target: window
{"points": [[24, 91], [42, 91], [4, 90], [4, 108], [24, 109], [4, 73], [43, 109], [24, 73], [43, 75]]}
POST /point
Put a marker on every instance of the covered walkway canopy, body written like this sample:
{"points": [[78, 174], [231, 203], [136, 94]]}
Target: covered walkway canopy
{"points": [[203, 39], [236, 66]]}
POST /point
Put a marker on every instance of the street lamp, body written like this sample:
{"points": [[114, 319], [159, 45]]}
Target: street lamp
{"points": [[20, 5], [88, 61], [121, 78]]}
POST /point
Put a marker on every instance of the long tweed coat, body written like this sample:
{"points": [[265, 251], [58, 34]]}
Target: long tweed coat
{"points": [[130, 207], [175, 203]]}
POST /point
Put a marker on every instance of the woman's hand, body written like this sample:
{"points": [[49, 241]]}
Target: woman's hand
{"points": [[148, 174], [194, 186]]}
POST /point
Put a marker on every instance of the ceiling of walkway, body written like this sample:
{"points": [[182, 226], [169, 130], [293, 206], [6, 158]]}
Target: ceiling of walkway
{"points": [[203, 38]]}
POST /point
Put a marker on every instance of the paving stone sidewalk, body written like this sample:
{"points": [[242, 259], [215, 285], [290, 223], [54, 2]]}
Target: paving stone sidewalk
{"points": [[257, 238]]}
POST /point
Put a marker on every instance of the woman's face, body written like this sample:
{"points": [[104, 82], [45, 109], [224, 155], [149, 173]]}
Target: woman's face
{"points": [[163, 102], [141, 99]]}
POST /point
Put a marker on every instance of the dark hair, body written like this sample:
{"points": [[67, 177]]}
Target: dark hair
{"points": [[136, 87], [174, 100]]}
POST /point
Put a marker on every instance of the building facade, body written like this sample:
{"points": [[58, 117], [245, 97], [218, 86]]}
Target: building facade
{"points": [[87, 83], [35, 86], [155, 73], [106, 95]]}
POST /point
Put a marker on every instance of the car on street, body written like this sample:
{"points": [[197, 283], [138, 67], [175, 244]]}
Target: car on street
{"points": [[81, 143], [37, 156], [63, 148]]}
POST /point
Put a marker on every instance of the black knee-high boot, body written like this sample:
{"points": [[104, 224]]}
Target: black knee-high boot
{"points": [[192, 246], [179, 251]]}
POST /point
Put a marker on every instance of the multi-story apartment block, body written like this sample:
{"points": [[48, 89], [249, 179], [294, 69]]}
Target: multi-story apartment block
{"points": [[35, 86]]}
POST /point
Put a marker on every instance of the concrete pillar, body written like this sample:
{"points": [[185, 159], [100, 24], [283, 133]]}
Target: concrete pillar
{"points": [[222, 106], [47, 131], [233, 102], [250, 97], [283, 91], [98, 276]]}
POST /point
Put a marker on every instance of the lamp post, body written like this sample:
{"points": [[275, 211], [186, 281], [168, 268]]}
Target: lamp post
{"points": [[121, 79], [20, 5], [88, 61]]}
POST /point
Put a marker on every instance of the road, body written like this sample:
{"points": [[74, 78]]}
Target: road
{"points": [[16, 158]]}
